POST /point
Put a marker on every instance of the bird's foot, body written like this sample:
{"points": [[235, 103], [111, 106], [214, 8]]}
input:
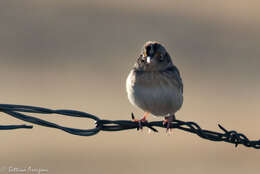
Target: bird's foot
{"points": [[143, 120], [167, 122]]}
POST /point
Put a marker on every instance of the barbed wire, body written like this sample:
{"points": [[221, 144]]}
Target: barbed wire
{"points": [[18, 111]]}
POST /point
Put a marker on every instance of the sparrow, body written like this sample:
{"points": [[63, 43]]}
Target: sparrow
{"points": [[154, 84]]}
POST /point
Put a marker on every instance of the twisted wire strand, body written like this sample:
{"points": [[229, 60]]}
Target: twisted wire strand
{"points": [[18, 111]]}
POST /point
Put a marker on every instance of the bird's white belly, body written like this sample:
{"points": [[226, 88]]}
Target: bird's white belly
{"points": [[158, 99]]}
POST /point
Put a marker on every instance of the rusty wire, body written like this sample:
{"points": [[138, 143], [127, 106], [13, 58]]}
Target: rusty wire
{"points": [[18, 111]]}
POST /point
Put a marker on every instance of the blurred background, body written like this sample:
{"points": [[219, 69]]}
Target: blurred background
{"points": [[77, 55]]}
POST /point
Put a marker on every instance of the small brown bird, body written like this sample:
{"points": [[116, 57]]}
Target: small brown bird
{"points": [[154, 84]]}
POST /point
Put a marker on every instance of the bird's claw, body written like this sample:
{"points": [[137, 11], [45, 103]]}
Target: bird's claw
{"points": [[167, 122], [143, 120]]}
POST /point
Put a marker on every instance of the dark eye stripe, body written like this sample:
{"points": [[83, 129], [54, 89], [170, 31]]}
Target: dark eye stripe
{"points": [[161, 58], [148, 49]]}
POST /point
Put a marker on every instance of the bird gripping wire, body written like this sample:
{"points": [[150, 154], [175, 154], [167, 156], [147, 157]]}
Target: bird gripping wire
{"points": [[20, 112]]}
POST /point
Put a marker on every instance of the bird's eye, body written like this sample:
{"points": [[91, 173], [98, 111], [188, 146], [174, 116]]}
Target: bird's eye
{"points": [[161, 58], [141, 58]]}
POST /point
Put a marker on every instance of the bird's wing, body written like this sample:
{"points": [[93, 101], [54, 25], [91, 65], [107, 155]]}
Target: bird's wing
{"points": [[174, 73]]}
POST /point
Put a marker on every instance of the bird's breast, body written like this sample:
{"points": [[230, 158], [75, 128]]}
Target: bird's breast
{"points": [[154, 92]]}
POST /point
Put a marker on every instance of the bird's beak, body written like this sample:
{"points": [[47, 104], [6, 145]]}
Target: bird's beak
{"points": [[148, 59]]}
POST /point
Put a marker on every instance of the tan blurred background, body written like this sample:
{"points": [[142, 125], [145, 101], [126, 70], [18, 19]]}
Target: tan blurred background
{"points": [[77, 55]]}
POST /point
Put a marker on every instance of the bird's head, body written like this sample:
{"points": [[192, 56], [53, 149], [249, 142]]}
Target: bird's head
{"points": [[153, 57]]}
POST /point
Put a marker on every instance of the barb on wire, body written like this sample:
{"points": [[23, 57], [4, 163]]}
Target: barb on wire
{"points": [[19, 112]]}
